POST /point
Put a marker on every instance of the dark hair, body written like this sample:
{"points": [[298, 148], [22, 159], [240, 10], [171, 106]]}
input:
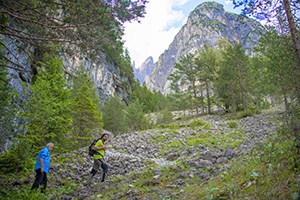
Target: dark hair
{"points": [[103, 135]]}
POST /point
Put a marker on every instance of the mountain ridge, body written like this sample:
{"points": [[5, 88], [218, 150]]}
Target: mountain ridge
{"points": [[206, 24]]}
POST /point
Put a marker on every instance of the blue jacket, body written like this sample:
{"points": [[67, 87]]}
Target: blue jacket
{"points": [[45, 155]]}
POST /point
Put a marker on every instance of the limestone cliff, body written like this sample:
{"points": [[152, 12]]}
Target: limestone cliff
{"points": [[105, 73]]}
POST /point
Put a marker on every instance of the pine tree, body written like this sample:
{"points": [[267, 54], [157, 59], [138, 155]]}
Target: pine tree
{"points": [[186, 75], [207, 63], [135, 118], [114, 117], [47, 112], [86, 112], [232, 84]]}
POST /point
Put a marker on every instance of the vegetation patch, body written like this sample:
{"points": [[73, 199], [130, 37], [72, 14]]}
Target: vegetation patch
{"points": [[267, 173], [232, 124], [195, 123]]}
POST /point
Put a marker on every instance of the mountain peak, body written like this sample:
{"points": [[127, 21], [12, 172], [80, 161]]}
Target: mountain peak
{"points": [[210, 6], [206, 24]]}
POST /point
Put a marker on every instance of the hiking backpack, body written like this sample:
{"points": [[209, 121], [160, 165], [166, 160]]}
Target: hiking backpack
{"points": [[91, 151]]}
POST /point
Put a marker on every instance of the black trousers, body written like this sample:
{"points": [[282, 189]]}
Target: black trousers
{"points": [[40, 179], [97, 164]]}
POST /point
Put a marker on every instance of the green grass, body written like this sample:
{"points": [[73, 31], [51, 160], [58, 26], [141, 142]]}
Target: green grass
{"points": [[265, 174]]}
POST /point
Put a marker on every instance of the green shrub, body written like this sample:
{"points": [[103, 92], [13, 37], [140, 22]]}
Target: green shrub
{"points": [[18, 158], [170, 126], [245, 113], [164, 116], [207, 126], [195, 123], [232, 124]]}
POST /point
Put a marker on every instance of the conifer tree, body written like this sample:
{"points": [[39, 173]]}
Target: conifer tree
{"points": [[280, 65], [47, 112], [232, 83], [86, 112], [114, 117], [135, 118], [150, 101], [207, 63], [186, 75]]}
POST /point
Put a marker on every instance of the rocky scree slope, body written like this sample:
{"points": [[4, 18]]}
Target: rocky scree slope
{"points": [[159, 148]]}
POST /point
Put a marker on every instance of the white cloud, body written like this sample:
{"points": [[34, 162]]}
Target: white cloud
{"points": [[155, 32], [158, 28]]}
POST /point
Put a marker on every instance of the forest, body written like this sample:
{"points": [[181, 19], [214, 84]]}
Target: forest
{"points": [[65, 109]]}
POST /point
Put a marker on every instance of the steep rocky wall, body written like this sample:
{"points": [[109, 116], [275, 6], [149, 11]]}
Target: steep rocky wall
{"points": [[207, 24], [104, 73]]}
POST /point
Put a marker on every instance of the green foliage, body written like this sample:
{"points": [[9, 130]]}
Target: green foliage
{"points": [[207, 126], [17, 159], [24, 194], [245, 113], [199, 138], [207, 62], [114, 117], [261, 175], [94, 26], [67, 188], [159, 138], [8, 103], [232, 124], [174, 144], [179, 101], [47, 112], [150, 101], [196, 123], [232, 85], [186, 74], [280, 68], [86, 112], [164, 116], [135, 118]]}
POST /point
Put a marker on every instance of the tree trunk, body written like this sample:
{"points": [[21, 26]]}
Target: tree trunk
{"points": [[195, 95], [296, 42], [286, 105], [292, 27], [208, 97]]}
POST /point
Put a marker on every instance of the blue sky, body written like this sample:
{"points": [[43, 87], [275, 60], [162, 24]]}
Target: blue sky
{"points": [[157, 29]]}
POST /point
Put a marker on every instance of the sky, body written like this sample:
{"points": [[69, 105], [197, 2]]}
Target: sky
{"points": [[155, 32]]}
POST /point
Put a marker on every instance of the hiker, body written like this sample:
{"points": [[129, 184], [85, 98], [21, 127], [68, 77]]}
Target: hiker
{"points": [[42, 167], [100, 148]]}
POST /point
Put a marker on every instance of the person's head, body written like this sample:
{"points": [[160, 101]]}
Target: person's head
{"points": [[104, 137], [50, 146]]}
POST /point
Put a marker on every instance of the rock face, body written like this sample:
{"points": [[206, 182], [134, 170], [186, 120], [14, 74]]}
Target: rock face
{"points": [[104, 73], [207, 24], [145, 70]]}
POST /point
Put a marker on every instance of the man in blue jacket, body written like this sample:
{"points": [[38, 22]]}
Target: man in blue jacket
{"points": [[42, 167]]}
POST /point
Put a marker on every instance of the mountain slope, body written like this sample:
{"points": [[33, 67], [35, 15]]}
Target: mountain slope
{"points": [[208, 23], [145, 70], [187, 159]]}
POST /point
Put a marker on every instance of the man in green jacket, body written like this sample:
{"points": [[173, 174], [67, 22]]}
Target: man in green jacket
{"points": [[100, 147]]}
